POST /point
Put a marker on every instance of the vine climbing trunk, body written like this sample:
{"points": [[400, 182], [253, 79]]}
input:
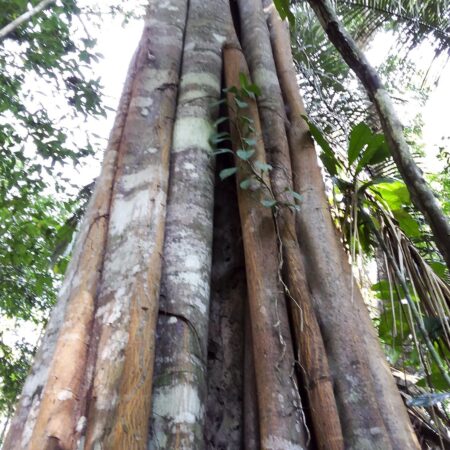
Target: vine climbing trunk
{"points": [[280, 418], [185, 324]]}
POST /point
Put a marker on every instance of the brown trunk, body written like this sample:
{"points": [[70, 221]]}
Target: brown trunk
{"points": [[101, 377], [181, 360], [372, 413], [280, 417], [127, 303], [251, 420], [310, 348], [82, 278], [55, 422]]}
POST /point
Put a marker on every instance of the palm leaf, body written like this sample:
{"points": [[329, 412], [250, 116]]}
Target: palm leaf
{"points": [[415, 21]]}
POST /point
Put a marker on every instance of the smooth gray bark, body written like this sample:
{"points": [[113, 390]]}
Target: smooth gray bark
{"points": [[180, 371]]}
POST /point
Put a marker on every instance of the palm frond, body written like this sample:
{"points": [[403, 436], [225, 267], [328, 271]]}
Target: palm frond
{"points": [[413, 20]]}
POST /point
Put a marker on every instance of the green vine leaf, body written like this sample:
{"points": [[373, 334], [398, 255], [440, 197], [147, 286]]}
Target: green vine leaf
{"points": [[219, 121], [240, 103], [225, 173], [269, 202], [263, 167], [245, 154], [245, 184], [251, 142]]}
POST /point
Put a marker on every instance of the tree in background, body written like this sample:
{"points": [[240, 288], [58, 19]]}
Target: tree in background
{"points": [[100, 375]]}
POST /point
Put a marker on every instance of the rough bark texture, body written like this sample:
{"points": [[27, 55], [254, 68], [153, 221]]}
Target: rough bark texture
{"points": [[224, 406], [362, 380], [180, 373], [310, 348], [128, 299], [56, 420], [279, 404], [421, 193], [251, 416], [82, 275]]}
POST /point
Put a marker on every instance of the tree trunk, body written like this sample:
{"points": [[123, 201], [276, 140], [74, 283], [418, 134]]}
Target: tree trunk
{"points": [[244, 345]]}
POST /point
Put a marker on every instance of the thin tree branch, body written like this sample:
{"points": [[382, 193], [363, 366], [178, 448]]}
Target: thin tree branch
{"points": [[24, 17], [421, 194]]}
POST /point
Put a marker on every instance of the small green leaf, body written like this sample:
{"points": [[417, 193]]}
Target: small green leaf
{"points": [[296, 195], [245, 184], [248, 93], [222, 150], [217, 138], [245, 154], [240, 103], [269, 202], [255, 89], [232, 89], [263, 167], [218, 102], [219, 121], [243, 80], [247, 120], [250, 141], [225, 173]]}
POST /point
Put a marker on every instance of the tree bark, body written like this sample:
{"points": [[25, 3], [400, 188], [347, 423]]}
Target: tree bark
{"points": [[127, 303], [362, 379], [125, 366], [421, 194], [180, 375], [279, 404], [310, 348], [82, 276]]}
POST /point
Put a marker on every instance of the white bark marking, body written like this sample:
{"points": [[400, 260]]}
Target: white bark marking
{"points": [[65, 394], [192, 132], [155, 78], [200, 79], [193, 94], [186, 399], [141, 102], [128, 209], [278, 443]]}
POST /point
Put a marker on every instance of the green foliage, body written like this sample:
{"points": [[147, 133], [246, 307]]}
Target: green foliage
{"points": [[411, 21], [14, 366], [242, 95], [283, 8], [48, 57]]}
